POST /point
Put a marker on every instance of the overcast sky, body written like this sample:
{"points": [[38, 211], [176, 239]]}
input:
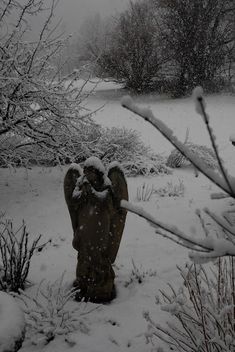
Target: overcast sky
{"points": [[73, 12]]}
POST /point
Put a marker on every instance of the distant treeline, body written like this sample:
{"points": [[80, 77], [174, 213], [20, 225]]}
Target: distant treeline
{"points": [[163, 45]]}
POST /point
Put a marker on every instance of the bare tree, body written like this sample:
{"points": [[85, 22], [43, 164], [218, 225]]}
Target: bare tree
{"points": [[198, 36], [133, 56], [93, 37], [38, 107]]}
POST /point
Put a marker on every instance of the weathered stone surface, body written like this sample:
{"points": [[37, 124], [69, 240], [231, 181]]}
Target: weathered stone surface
{"points": [[93, 198]]}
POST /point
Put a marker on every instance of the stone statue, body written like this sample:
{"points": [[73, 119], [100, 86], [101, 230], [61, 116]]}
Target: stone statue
{"points": [[93, 197]]}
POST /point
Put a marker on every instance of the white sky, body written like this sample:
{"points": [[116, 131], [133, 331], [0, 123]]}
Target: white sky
{"points": [[73, 12]]}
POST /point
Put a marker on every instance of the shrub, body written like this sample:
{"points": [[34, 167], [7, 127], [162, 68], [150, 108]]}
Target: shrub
{"points": [[126, 147], [146, 165], [38, 107], [48, 313], [171, 190], [108, 144], [139, 275], [177, 159], [202, 310], [15, 256]]}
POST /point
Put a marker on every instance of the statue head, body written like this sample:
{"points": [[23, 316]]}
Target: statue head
{"points": [[94, 171]]}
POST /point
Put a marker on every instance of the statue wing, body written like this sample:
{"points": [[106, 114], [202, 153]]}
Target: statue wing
{"points": [[119, 191], [70, 180]]}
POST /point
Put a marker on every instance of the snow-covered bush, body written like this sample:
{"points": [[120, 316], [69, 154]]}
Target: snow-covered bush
{"points": [[171, 190], [12, 327], [201, 310], [206, 154], [122, 145], [49, 313], [108, 144], [16, 253], [151, 164], [38, 107], [177, 159]]}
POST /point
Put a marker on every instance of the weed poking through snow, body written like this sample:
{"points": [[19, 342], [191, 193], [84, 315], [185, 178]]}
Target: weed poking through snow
{"points": [[145, 192], [49, 313], [15, 255], [139, 275]]}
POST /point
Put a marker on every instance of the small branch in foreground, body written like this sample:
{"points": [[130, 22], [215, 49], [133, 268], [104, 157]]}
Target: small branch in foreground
{"points": [[212, 139], [193, 243], [203, 250]]}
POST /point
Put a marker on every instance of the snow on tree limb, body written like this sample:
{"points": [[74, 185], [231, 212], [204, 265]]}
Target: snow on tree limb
{"points": [[192, 243], [209, 248], [147, 115], [221, 248], [203, 250], [201, 110], [220, 221]]}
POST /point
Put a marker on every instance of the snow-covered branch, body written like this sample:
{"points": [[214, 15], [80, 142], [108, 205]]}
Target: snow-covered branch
{"points": [[213, 175], [203, 249], [207, 248], [49, 314], [201, 109]]}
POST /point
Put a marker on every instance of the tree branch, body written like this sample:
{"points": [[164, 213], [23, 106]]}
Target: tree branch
{"points": [[147, 115]]}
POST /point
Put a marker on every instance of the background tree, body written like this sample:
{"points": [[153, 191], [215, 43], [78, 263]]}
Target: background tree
{"points": [[93, 37], [133, 55], [198, 36]]}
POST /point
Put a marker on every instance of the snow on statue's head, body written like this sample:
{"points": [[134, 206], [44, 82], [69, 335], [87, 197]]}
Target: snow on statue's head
{"points": [[94, 171]]}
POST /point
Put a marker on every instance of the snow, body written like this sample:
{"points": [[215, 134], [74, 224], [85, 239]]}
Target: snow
{"points": [[115, 164], [12, 322], [96, 163], [76, 167], [36, 195], [172, 229], [102, 195], [220, 247], [224, 224]]}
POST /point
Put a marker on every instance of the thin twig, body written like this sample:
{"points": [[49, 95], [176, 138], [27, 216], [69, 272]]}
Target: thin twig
{"points": [[212, 139]]}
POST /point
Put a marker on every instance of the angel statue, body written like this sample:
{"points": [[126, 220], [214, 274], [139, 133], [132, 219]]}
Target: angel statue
{"points": [[93, 196]]}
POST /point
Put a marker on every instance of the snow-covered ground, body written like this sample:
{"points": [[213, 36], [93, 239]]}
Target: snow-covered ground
{"points": [[36, 196]]}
